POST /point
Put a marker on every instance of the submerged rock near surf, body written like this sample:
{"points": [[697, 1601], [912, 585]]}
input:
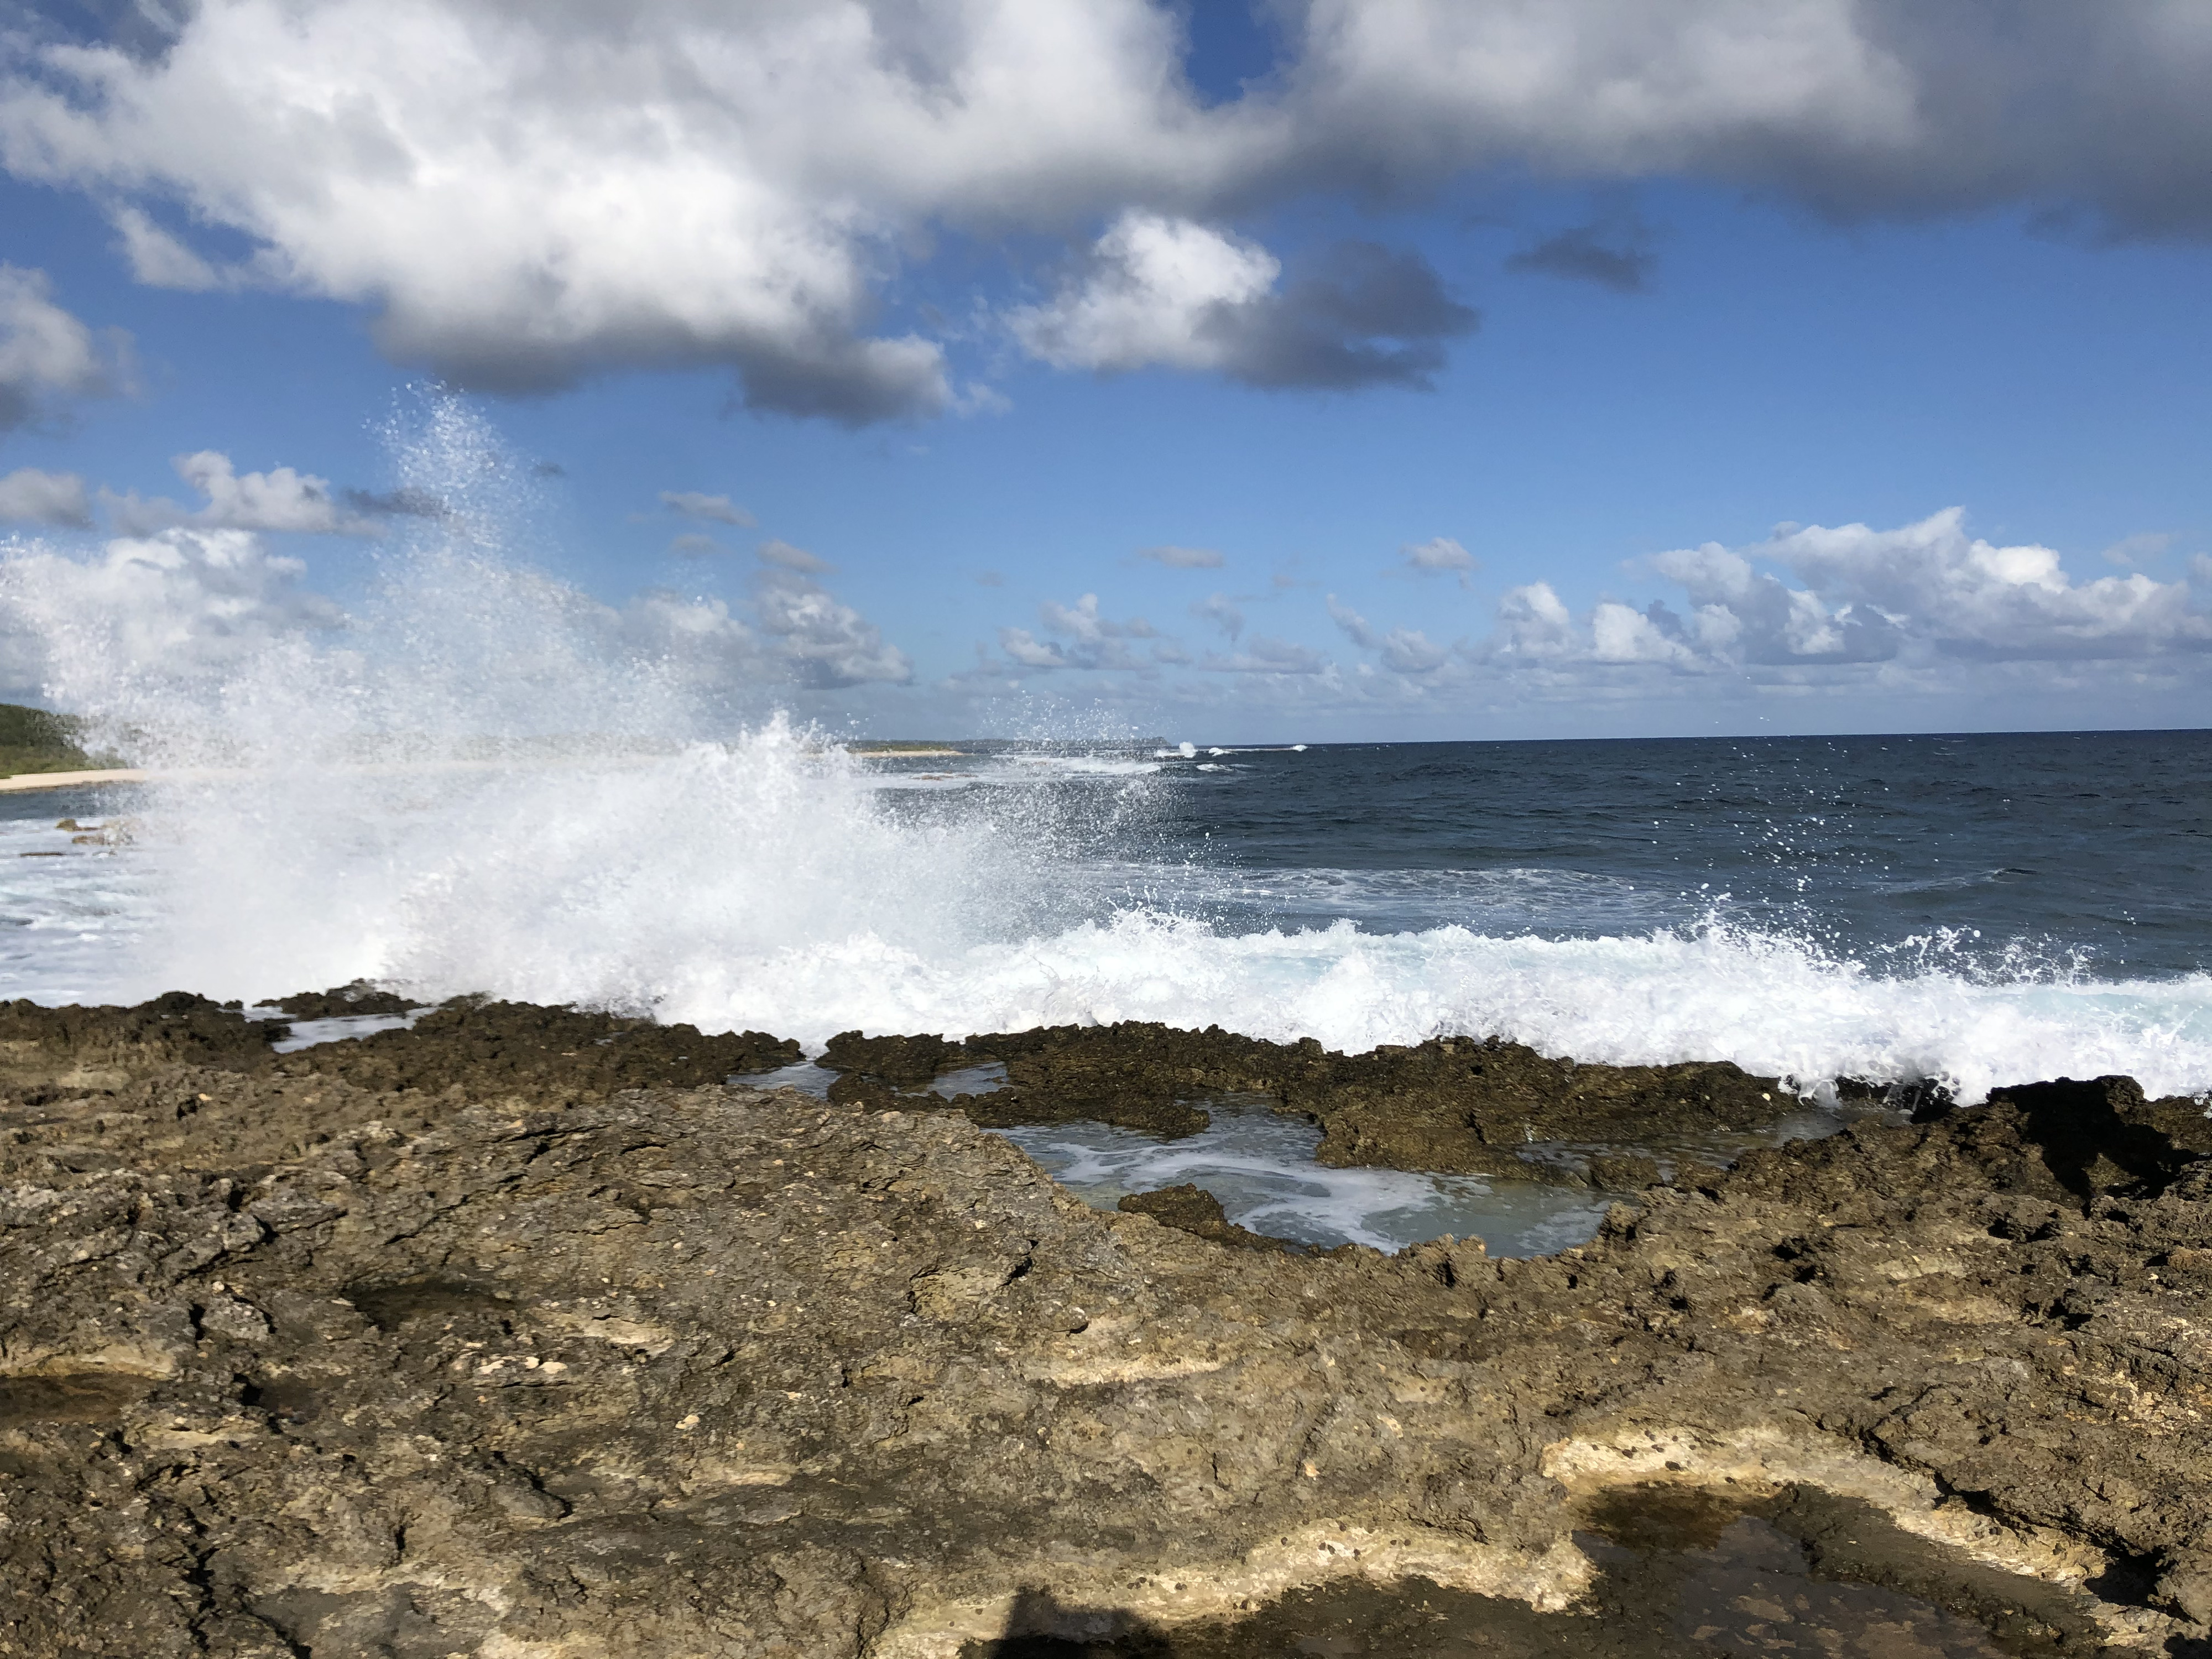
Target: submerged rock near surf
{"points": [[408, 1350], [1452, 1104]]}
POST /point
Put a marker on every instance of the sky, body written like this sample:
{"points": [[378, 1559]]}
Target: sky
{"points": [[1304, 370]]}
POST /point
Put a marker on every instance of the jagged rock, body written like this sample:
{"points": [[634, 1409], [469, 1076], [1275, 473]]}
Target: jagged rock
{"points": [[900, 1061], [290, 1362], [518, 1051], [1193, 1210], [1452, 1104], [359, 997], [105, 1046]]}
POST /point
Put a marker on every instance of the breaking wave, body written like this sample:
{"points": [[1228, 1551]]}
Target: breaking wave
{"points": [[473, 786]]}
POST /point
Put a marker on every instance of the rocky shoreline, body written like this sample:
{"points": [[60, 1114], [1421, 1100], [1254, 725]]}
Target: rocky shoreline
{"points": [[524, 1334]]}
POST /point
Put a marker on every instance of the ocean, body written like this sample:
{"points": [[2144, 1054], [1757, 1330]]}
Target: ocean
{"points": [[1979, 910]]}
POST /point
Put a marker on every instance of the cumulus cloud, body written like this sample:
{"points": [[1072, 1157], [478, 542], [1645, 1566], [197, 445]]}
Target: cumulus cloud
{"points": [[1088, 638], [30, 496], [160, 260], [187, 609], [707, 509], [1083, 622], [1180, 294], [697, 642], [48, 356], [171, 605], [1857, 107], [526, 195], [1965, 596], [280, 499], [1923, 596], [1401, 650], [827, 644], [1183, 558]]}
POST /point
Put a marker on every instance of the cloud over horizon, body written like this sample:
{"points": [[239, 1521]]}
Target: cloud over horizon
{"points": [[281, 499], [528, 196], [48, 356]]}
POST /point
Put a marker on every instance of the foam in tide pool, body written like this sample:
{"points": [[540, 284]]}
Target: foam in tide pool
{"points": [[475, 786], [1259, 1165]]}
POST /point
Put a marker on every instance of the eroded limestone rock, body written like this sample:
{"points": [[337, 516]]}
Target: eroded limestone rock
{"points": [[291, 1362]]}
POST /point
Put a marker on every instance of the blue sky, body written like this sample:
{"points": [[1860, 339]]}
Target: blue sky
{"points": [[1555, 359]]}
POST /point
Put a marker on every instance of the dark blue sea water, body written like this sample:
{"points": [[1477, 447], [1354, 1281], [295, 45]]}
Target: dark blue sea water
{"points": [[1979, 910], [2005, 855]]}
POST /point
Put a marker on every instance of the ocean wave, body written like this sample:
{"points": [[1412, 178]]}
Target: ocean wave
{"points": [[771, 881], [1774, 1004], [759, 884]]}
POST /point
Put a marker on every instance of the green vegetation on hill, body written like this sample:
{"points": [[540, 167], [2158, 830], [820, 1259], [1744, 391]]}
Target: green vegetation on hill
{"points": [[36, 740]]}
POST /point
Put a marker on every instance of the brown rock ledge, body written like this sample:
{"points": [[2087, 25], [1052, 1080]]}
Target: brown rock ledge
{"points": [[295, 1364], [1453, 1104]]}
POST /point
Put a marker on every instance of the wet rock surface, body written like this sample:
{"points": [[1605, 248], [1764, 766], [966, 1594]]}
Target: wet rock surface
{"points": [[100, 1047], [1452, 1104], [1193, 1210], [518, 1051], [371, 1358], [342, 1001]]}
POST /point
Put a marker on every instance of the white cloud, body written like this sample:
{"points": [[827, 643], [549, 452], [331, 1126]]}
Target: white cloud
{"points": [[1440, 553], [280, 499], [1183, 558], [47, 356], [30, 496], [1097, 640], [1402, 650], [1156, 293], [1093, 640], [827, 644], [793, 558], [1409, 651], [697, 642], [167, 607], [1925, 599], [189, 615], [1620, 634], [1930, 589], [160, 260], [692, 545], [1534, 621], [1856, 106], [531, 194], [1180, 294], [708, 509], [1222, 613], [1030, 651]]}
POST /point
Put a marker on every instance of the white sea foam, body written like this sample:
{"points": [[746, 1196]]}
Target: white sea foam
{"points": [[759, 884], [1259, 1165], [606, 843]]}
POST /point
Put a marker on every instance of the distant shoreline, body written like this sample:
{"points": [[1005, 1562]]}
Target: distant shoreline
{"points": [[22, 782]]}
